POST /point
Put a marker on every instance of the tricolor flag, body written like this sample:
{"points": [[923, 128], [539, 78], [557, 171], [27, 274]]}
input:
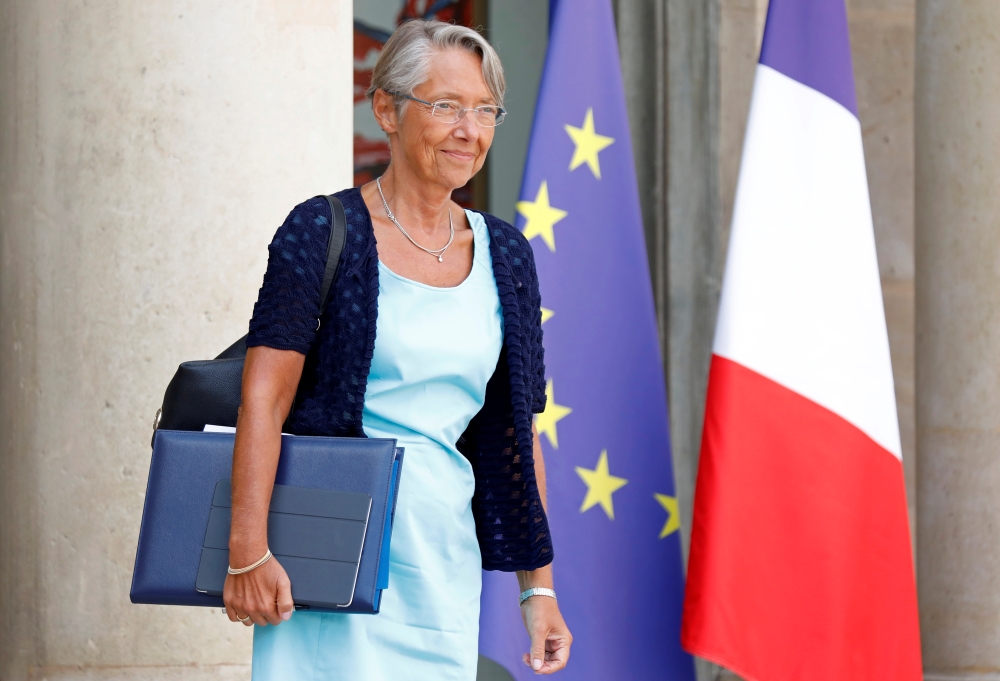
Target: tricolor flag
{"points": [[801, 565], [612, 507]]}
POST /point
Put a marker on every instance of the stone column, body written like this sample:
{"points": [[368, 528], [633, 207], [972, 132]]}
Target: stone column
{"points": [[671, 75], [670, 66], [148, 151], [958, 335]]}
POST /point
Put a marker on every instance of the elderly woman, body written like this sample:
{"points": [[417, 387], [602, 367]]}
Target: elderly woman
{"points": [[432, 337]]}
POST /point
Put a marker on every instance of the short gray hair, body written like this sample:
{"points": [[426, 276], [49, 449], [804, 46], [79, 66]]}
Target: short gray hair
{"points": [[402, 65]]}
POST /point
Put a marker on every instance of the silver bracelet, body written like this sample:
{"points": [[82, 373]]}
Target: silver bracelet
{"points": [[535, 591], [248, 568]]}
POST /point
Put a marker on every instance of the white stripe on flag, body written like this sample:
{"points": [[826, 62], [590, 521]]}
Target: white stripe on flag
{"points": [[802, 301]]}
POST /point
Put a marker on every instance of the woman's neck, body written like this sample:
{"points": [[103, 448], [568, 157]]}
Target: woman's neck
{"points": [[416, 204]]}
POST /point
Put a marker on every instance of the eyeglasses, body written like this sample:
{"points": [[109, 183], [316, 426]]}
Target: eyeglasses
{"points": [[450, 111]]}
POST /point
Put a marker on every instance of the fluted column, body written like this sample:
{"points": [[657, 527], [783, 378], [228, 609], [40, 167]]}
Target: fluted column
{"points": [[148, 151], [958, 335]]}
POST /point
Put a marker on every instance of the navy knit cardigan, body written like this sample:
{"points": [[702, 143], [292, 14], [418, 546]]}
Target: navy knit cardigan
{"points": [[510, 523]]}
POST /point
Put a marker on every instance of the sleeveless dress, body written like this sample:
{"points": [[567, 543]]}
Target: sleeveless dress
{"points": [[435, 350]]}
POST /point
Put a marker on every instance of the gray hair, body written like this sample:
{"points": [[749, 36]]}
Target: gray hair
{"points": [[402, 65]]}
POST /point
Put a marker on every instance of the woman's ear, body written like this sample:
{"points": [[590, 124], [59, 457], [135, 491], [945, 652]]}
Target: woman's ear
{"points": [[384, 108]]}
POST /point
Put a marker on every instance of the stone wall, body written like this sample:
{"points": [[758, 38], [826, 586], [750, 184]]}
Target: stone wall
{"points": [[148, 151], [882, 43], [958, 337]]}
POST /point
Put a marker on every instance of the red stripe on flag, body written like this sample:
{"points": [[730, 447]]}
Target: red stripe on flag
{"points": [[800, 565]]}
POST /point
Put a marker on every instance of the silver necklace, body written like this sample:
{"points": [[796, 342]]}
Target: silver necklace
{"points": [[437, 252]]}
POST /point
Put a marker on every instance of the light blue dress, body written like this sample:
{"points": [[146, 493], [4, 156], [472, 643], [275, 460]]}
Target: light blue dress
{"points": [[435, 350]]}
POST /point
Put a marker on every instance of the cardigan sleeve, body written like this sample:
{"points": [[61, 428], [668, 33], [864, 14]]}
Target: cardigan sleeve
{"points": [[536, 377], [287, 307]]}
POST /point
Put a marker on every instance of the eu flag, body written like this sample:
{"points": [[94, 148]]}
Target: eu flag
{"points": [[612, 506]]}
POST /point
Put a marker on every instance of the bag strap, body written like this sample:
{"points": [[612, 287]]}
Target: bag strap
{"points": [[334, 248]]}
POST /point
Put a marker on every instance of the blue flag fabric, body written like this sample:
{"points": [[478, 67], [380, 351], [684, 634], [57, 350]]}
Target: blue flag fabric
{"points": [[612, 505]]}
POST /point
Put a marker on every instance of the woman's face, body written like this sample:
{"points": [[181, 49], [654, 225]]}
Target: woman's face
{"points": [[442, 153]]}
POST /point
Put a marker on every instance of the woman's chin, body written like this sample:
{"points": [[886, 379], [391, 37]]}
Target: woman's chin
{"points": [[455, 174], [456, 180]]}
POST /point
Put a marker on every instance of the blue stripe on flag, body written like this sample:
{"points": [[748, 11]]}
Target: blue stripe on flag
{"points": [[808, 40]]}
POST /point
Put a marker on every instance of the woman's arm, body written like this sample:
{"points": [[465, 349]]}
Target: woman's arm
{"points": [[270, 381], [550, 638]]}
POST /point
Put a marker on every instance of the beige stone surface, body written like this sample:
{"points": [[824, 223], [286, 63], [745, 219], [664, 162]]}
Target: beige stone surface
{"points": [[882, 46], [958, 334], [218, 672], [897, 295], [740, 30], [148, 150]]}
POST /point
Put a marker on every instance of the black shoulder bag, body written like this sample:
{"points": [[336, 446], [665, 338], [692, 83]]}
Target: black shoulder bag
{"points": [[208, 391]]}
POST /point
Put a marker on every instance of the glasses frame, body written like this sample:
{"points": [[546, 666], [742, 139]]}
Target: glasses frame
{"points": [[500, 116]]}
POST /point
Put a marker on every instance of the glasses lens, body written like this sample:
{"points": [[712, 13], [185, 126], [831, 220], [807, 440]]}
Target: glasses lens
{"points": [[448, 111], [489, 116]]}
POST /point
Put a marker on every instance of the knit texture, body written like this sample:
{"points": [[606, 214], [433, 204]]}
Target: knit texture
{"points": [[510, 522]]}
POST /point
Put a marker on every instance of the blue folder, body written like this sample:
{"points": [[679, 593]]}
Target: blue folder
{"points": [[184, 478]]}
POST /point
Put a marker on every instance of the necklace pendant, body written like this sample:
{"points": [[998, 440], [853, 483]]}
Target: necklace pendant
{"points": [[437, 252]]}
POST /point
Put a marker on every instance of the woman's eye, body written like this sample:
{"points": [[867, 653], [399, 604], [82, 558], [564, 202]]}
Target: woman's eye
{"points": [[444, 106], [489, 110]]}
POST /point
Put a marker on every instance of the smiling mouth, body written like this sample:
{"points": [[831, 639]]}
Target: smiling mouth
{"points": [[460, 155]]}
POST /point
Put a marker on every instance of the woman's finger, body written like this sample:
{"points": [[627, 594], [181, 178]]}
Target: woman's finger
{"points": [[269, 607], [236, 603], [537, 652], [268, 582], [229, 599], [235, 614], [246, 621], [285, 603], [556, 656]]}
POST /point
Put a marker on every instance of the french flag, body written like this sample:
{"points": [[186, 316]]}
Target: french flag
{"points": [[801, 565]]}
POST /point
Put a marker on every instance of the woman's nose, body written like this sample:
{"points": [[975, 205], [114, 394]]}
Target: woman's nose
{"points": [[467, 128]]}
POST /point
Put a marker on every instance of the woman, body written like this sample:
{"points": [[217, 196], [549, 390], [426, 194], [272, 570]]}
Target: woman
{"points": [[433, 337]]}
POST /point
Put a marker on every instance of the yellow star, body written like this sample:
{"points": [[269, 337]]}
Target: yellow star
{"points": [[546, 421], [600, 486], [588, 145], [673, 523], [541, 217], [546, 314]]}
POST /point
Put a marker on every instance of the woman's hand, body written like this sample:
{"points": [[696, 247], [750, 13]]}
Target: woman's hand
{"points": [[550, 638], [264, 594]]}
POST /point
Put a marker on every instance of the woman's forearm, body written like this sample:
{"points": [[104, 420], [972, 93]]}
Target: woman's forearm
{"points": [[255, 461], [270, 380], [542, 577]]}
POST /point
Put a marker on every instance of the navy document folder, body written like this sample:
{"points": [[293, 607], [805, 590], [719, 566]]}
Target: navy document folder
{"points": [[329, 524], [317, 535]]}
